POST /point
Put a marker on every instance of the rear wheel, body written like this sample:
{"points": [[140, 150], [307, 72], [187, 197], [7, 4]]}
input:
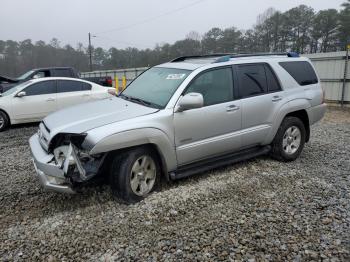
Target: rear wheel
{"points": [[4, 121], [289, 140], [134, 174]]}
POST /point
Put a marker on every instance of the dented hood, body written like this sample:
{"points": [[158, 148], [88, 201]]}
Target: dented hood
{"points": [[84, 117]]}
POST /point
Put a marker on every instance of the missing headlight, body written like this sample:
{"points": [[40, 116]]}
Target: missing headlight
{"points": [[76, 163], [65, 139]]}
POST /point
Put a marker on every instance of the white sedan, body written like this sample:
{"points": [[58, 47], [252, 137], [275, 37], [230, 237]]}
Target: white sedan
{"points": [[33, 100]]}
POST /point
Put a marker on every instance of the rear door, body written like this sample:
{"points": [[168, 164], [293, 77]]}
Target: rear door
{"points": [[39, 101], [213, 129], [262, 96], [71, 92]]}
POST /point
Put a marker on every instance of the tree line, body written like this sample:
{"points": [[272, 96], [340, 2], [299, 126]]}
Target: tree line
{"points": [[299, 29]]}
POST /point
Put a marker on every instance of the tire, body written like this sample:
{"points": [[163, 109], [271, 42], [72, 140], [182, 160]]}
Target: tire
{"points": [[128, 185], [4, 121], [289, 140]]}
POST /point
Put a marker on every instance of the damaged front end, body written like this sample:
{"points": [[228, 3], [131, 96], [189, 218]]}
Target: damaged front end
{"points": [[63, 164]]}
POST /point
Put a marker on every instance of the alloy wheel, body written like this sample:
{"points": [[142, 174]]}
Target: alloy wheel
{"points": [[143, 175], [291, 140]]}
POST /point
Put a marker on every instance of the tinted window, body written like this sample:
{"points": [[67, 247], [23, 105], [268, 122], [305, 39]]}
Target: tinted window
{"points": [[41, 88], [62, 72], [301, 71], [273, 85], [68, 86], [252, 80], [216, 86], [85, 86]]}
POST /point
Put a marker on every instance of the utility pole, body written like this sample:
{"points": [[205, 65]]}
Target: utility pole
{"points": [[90, 52]]}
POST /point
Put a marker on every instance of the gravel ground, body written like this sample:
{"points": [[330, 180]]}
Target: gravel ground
{"points": [[253, 211]]}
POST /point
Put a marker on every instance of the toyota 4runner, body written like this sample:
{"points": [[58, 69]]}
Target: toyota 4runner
{"points": [[180, 118]]}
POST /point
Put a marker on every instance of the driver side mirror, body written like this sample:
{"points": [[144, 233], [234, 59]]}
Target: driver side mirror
{"points": [[190, 101], [21, 94]]}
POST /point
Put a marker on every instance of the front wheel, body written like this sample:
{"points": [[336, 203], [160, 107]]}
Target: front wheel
{"points": [[134, 174], [4, 121], [289, 140]]}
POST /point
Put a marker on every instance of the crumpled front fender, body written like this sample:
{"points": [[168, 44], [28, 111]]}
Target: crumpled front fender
{"points": [[138, 137]]}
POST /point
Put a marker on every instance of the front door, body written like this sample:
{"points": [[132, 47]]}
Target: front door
{"points": [[38, 102], [213, 129]]}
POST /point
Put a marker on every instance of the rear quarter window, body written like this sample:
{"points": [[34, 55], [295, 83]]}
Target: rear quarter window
{"points": [[301, 71]]}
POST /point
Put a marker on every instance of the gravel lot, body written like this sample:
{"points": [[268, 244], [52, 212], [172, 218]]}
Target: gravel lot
{"points": [[253, 211]]}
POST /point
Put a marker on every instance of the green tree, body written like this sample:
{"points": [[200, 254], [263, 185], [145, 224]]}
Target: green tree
{"points": [[210, 40], [344, 25], [297, 22], [324, 30], [228, 43]]}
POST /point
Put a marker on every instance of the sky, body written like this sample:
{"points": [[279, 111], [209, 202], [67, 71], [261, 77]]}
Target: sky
{"points": [[136, 23]]}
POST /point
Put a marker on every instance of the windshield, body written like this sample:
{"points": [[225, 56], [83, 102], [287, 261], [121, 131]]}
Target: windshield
{"points": [[156, 86], [25, 75], [15, 88]]}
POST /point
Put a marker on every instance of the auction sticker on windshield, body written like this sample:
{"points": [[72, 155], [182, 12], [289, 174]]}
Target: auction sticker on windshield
{"points": [[175, 76]]}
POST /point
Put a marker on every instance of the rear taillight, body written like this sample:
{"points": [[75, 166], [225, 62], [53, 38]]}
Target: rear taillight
{"points": [[109, 81]]}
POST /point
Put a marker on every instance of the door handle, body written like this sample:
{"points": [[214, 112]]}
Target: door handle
{"points": [[276, 98], [232, 108], [50, 99]]}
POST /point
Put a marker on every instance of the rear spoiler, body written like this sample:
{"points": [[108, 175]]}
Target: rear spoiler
{"points": [[5, 79]]}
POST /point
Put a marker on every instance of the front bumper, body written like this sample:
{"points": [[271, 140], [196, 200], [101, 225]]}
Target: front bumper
{"points": [[50, 175]]}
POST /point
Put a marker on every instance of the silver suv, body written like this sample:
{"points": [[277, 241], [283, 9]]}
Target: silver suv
{"points": [[180, 118]]}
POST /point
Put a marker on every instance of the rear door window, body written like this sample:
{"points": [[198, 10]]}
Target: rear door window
{"points": [[272, 82], [301, 71], [252, 80], [41, 88], [64, 86]]}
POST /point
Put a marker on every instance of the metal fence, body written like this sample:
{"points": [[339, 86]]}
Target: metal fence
{"points": [[117, 75], [329, 66]]}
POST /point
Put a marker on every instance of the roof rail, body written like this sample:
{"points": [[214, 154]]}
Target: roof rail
{"points": [[183, 58], [289, 54], [226, 57]]}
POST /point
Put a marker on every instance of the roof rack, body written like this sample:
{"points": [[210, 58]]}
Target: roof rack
{"points": [[288, 54], [226, 57], [183, 58]]}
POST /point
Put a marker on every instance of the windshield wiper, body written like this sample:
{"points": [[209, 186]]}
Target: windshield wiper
{"points": [[125, 97], [139, 101]]}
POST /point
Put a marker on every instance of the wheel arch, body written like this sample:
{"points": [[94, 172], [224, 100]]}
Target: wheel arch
{"points": [[304, 117], [153, 147], [295, 108], [152, 137], [8, 116]]}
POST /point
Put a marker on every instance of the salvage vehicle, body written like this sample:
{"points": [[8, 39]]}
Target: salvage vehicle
{"points": [[184, 117], [31, 101], [7, 83]]}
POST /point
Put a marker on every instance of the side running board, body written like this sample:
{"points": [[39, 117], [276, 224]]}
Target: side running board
{"points": [[219, 161]]}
